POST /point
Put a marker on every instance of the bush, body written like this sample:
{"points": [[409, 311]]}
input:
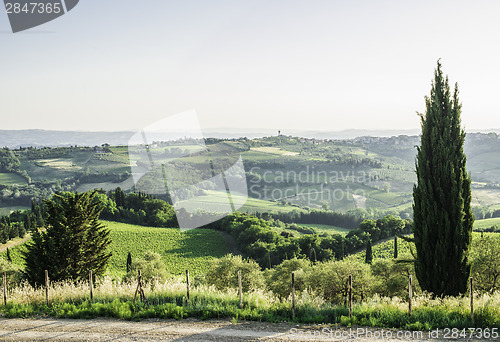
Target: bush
{"points": [[280, 279], [13, 272], [151, 266], [330, 280], [223, 273], [485, 262], [391, 278]]}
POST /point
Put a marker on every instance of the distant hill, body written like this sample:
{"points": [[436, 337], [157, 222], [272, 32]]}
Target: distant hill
{"points": [[39, 138]]}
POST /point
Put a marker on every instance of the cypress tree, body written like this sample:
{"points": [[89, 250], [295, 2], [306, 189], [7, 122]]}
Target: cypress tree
{"points": [[442, 212], [369, 253], [9, 258], [129, 262], [395, 247]]}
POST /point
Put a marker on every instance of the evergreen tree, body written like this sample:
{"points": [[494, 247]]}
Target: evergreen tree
{"points": [[369, 253], [443, 217], [129, 262], [395, 247], [4, 235], [74, 242], [119, 197], [22, 230], [9, 258]]}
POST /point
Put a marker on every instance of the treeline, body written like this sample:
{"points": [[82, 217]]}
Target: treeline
{"points": [[257, 239], [481, 213], [315, 216], [136, 208], [8, 161], [133, 208], [10, 230], [20, 222]]}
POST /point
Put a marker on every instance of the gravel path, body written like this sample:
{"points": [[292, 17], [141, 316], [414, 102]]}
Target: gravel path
{"points": [[189, 330]]}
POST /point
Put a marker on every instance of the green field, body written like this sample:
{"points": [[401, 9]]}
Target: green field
{"points": [[4, 211], [487, 223], [12, 179], [215, 200], [323, 228], [385, 250], [192, 250]]}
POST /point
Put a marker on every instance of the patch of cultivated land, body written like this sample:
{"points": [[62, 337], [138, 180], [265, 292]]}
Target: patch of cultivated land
{"points": [[487, 223], [192, 249], [274, 150], [11, 179], [193, 330], [323, 228], [217, 201]]}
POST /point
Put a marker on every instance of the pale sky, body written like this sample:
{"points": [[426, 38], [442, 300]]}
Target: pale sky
{"points": [[285, 64]]}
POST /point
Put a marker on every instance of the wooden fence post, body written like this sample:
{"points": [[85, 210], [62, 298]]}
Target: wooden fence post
{"points": [[139, 288], [47, 287], [240, 289], [293, 295], [350, 295], [4, 288], [91, 285], [471, 299], [187, 283], [410, 294]]}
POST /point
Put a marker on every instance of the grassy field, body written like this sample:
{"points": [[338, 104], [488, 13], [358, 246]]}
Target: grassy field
{"points": [[7, 210], [385, 250], [486, 223], [125, 185], [191, 250], [274, 150], [217, 200], [11, 179], [323, 228]]}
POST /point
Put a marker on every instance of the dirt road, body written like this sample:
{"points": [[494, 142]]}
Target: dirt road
{"points": [[189, 330]]}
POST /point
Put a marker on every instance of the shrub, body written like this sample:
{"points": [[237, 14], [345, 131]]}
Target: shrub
{"points": [[280, 279], [330, 279], [223, 273], [485, 263], [151, 266]]}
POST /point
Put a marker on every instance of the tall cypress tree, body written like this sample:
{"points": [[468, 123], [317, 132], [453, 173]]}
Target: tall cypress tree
{"points": [[442, 212], [129, 262], [369, 253], [395, 247]]}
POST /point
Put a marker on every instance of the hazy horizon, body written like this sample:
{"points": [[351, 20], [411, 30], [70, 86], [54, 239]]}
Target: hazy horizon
{"points": [[282, 65]]}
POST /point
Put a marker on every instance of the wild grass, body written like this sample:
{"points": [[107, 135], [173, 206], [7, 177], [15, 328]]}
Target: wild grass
{"points": [[168, 300]]}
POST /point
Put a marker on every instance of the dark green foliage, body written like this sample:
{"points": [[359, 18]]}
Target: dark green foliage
{"points": [[74, 243], [137, 208], [129, 262], [9, 258], [259, 240], [327, 217], [443, 217], [8, 160], [369, 253], [395, 247]]}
